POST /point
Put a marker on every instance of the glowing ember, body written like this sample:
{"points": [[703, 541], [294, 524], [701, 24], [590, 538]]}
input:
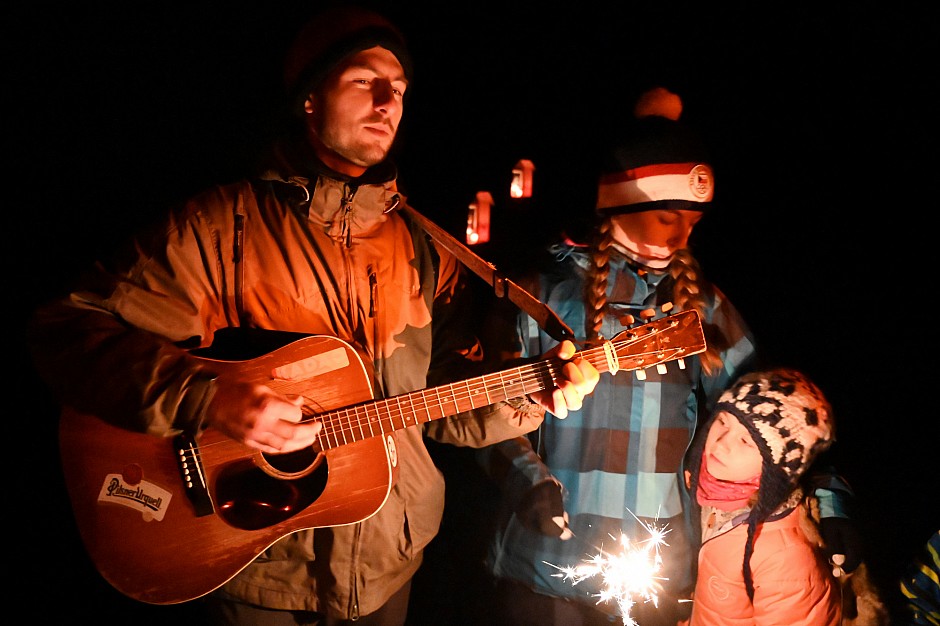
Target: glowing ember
{"points": [[629, 575]]}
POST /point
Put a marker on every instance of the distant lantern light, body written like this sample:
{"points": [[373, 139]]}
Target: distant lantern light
{"points": [[521, 185], [478, 218]]}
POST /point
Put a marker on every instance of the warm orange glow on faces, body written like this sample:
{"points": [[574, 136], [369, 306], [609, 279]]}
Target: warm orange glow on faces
{"points": [[353, 117], [652, 237], [730, 450]]}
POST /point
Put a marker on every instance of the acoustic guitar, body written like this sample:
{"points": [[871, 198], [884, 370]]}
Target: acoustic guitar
{"points": [[167, 520]]}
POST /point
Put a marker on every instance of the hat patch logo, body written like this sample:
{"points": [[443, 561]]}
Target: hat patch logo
{"points": [[701, 182]]}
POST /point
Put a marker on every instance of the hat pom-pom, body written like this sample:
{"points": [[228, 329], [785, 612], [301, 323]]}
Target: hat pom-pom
{"points": [[660, 102]]}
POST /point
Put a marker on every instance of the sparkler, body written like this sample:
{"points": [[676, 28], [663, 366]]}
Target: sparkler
{"points": [[630, 574]]}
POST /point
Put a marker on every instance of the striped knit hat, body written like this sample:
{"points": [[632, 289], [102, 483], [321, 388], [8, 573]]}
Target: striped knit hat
{"points": [[662, 164]]}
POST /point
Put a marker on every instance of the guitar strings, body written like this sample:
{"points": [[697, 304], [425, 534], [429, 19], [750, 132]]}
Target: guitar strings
{"points": [[377, 417], [397, 412]]}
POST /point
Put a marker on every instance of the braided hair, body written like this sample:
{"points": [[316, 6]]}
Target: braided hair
{"points": [[688, 289]]}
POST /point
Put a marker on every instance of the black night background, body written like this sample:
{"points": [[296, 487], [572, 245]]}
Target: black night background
{"points": [[821, 115]]}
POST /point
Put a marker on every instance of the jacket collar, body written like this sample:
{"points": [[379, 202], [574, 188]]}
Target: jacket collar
{"points": [[342, 206]]}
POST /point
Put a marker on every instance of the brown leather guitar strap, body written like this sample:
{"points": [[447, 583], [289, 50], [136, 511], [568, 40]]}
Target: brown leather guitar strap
{"points": [[503, 287]]}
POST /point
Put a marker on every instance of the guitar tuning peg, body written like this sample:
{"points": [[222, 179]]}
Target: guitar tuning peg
{"points": [[627, 320], [661, 368], [666, 307], [641, 374], [648, 314], [681, 363]]}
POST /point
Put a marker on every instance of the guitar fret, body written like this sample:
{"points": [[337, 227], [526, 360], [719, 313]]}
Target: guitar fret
{"points": [[392, 405], [404, 401], [329, 428], [469, 393], [427, 408], [329, 431], [341, 426], [348, 426], [486, 390], [372, 422], [422, 407], [502, 382], [437, 393], [335, 428], [362, 432], [381, 416], [525, 387], [515, 383], [375, 420], [414, 401], [449, 399]]}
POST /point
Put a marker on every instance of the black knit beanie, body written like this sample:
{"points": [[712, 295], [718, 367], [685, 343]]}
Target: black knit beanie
{"points": [[331, 36]]}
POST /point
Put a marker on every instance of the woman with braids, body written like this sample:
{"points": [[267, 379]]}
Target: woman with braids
{"points": [[575, 487]]}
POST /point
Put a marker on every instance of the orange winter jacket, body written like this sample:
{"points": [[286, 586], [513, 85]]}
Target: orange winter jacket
{"points": [[793, 585]]}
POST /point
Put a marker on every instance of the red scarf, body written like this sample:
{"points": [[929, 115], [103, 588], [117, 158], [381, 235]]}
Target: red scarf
{"points": [[726, 495]]}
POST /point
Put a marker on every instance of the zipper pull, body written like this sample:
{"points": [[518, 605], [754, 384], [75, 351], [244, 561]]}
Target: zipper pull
{"points": [[347, 211], [373, 292]]}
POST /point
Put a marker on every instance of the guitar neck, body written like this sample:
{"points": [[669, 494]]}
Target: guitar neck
{"points": [[644, 346], [375, 418]]}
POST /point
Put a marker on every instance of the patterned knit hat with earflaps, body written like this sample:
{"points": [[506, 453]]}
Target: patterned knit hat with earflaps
{"points": [[660, 164], [791, 422]]}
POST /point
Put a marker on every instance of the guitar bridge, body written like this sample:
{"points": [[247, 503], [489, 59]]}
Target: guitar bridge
{"points": [[197, 490]]}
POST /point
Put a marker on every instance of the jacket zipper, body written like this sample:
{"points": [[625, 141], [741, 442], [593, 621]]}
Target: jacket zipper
{"points": [[351, 282], [347, 214], [346, 235], [373, 292], [237, 255], [354, 610]]}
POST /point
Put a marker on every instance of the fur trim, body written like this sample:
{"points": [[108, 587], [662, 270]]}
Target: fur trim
{"points": [[861, 599]]}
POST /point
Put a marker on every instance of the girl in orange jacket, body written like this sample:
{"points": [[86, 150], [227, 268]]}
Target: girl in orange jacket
{"points": [[758, 565]]}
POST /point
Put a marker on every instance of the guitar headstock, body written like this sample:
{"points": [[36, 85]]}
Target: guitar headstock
{"points": [[654, 343]]}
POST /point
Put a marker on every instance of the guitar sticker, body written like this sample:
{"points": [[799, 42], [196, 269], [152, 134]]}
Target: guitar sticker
{"points": [[302, 369], [148, 498]]}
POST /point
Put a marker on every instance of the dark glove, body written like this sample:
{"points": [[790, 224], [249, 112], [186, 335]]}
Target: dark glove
{"points": [[542, 510], [841, 536]]}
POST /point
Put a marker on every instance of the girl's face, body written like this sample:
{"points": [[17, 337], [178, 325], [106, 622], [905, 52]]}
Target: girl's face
{"points": [[730, 451], [652, 237]]}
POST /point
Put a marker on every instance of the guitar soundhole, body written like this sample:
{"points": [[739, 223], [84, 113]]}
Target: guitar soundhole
{"points": [[291, 463], [249, 498]]}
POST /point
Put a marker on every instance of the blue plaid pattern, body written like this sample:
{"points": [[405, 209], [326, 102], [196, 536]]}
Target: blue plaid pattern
{"points": [[621, 454]]}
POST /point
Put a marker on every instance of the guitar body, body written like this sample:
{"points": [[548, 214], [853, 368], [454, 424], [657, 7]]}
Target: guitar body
{"points": [[158, 540]]}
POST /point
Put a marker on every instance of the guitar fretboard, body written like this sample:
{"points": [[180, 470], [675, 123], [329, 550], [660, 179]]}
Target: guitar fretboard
{"points": [[639, 348]]}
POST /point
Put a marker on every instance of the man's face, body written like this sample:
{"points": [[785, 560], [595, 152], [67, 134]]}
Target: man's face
{"points": [[353, 116]]}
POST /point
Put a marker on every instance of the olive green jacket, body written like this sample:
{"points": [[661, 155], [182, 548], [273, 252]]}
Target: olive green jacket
{"points": [[318, 255]]}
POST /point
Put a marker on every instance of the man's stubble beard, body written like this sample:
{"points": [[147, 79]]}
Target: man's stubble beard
{"points": [[364, 154]]}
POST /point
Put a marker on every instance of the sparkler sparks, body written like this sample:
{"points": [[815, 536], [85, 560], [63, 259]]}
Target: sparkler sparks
{"points": [[630, 574]]}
